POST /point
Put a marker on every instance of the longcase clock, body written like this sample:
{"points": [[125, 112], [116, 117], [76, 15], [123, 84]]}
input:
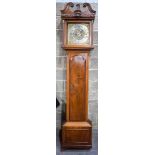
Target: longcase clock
{"points": [[77, 41]]}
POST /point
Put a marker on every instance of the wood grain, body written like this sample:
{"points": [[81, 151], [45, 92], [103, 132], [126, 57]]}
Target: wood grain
{"points": [[77, 130]]}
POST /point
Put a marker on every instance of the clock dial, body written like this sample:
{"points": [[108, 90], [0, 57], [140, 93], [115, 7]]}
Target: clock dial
{"points": [[78, 34]]}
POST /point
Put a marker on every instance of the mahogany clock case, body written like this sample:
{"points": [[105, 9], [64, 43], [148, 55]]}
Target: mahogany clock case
{"points": [[77, 42]]}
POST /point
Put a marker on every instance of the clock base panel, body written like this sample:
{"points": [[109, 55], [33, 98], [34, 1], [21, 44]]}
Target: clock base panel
{"points": [[76, 135]]}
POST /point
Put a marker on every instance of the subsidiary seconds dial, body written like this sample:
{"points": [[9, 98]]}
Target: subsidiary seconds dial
{"points": [[78, 34]]}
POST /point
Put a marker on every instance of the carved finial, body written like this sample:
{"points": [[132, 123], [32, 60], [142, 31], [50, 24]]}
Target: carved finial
{"points": [[77, 12], [78, 6], [72, 10]]}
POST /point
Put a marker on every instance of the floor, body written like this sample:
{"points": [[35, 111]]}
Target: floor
{"points": [[92, 151]]}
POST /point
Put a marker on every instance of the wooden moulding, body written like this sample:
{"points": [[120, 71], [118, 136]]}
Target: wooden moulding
{"points": [[78, 48]]}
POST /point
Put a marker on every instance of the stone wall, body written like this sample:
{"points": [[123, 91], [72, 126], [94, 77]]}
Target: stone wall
{"points": [[61, 70]]}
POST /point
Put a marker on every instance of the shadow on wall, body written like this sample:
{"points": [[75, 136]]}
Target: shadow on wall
{"points": [[63, 110]]}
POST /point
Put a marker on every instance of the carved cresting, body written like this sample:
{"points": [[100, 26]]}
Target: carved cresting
{"points": [[72, 10]]}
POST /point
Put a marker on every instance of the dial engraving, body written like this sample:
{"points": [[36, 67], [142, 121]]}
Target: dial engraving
{"points": [[78, 34]]}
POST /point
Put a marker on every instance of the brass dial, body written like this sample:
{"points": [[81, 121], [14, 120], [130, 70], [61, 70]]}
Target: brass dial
{"points": [[78, 34]]}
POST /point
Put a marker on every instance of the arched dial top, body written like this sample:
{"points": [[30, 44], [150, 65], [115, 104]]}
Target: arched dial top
{"points": [[78, 33]]}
